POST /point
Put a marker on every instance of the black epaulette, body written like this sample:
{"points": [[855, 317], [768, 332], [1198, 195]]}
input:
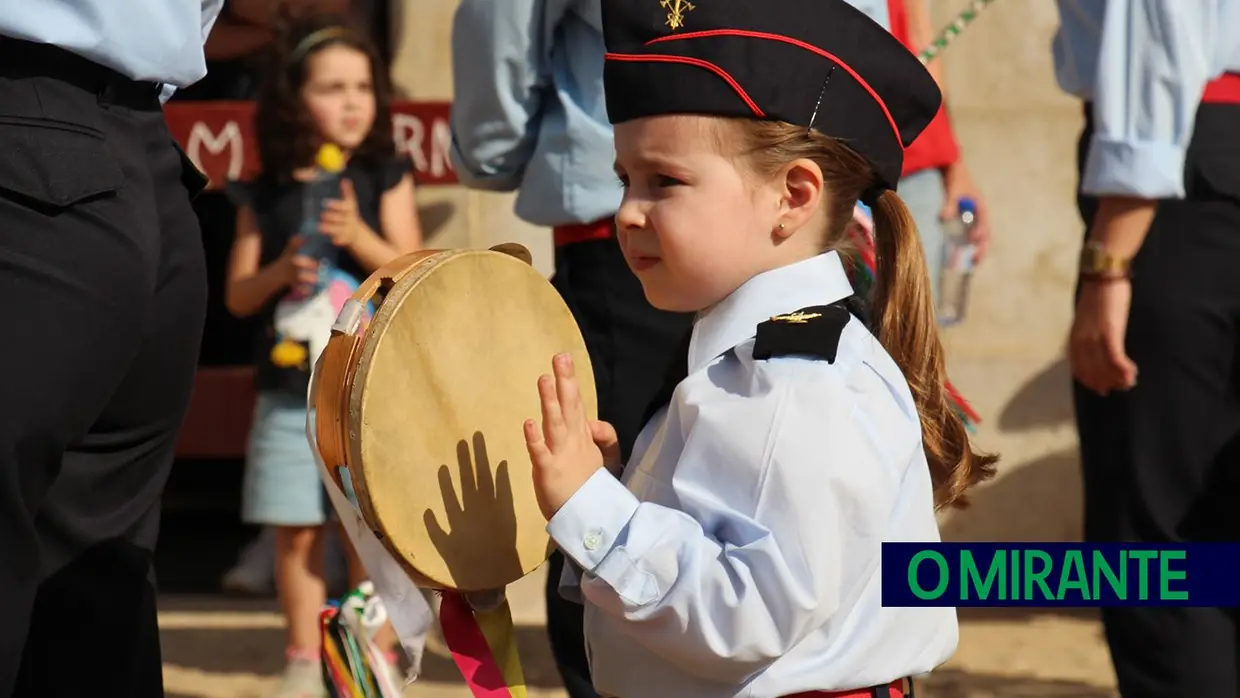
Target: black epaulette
{"points": [[813, 331]]}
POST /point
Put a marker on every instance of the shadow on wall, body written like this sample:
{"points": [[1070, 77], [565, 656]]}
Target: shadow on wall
{"points": [[433, 217], [1038, 500], [1034, 501]]}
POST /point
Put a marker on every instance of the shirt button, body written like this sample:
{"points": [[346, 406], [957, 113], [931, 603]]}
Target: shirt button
{"points": [[592, 540]]}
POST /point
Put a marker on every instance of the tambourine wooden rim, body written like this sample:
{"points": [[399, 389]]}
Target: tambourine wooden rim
{"points": [[361, 411]]}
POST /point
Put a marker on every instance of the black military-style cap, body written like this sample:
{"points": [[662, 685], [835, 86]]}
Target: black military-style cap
{"points": [[822, 64]]}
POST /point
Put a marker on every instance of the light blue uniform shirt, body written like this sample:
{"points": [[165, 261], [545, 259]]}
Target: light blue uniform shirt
{"points": [[1144, 64], [740, 554], [528, 110], [148, 40]]}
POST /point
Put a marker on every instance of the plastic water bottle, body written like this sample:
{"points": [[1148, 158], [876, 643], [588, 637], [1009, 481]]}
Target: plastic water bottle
{"points": [[325, 186], [959, 255]]}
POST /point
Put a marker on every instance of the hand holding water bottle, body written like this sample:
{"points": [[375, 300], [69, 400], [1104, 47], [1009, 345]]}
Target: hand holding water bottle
{"points": [[299, 272], [959, 258], [327, 191], [959, 187], [341, 221]]}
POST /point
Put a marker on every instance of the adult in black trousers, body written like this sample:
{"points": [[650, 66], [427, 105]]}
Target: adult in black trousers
{"points": [[1161, 461], [103, 290], [1155, 344]]}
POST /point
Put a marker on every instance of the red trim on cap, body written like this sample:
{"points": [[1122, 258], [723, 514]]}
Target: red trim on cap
{"points": [[686, 60], [795, 42]]}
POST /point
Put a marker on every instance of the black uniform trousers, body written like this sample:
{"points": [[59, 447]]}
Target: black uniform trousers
{"points": [[103, 290], [1162, 461], [630, 345]]}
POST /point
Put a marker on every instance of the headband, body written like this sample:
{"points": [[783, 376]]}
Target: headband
{"points": [[316, 39]]}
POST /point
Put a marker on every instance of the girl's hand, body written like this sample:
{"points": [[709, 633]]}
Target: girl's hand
{"points": [[298, 272], [563, 452], [604, 435], [341, 220]]}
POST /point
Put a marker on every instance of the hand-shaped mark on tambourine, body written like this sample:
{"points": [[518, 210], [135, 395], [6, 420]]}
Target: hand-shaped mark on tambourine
{"points": [[482, 523]]}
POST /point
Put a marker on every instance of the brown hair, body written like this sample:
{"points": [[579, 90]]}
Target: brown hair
{"points": [[286, 133], [902, 311]]}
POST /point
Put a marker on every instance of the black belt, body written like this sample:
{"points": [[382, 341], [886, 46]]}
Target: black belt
{"points": [[26, 59]]}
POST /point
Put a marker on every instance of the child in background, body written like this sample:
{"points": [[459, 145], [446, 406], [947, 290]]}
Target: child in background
{"points": [[739, 552], [325, 86]]}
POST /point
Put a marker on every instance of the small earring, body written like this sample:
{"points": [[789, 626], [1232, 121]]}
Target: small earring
{"points": [[781, 226]]}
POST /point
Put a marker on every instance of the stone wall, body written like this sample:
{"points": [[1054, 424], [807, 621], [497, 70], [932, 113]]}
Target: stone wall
{"points": [[1019, 134], [422, 69]]}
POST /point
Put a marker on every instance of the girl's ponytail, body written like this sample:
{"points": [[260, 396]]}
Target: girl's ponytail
{"points": [[902, 310], [904, 322]]}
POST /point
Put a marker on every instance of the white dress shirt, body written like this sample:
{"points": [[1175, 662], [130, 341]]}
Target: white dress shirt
{"points": [[741, 555]]}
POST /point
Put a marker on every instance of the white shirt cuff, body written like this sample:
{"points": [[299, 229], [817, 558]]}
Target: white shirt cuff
{"points": [[1142, 169], [588, 525]]}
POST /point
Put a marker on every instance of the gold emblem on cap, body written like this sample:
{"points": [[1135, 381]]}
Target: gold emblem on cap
{"points": [[676, 11], [797, 318]]}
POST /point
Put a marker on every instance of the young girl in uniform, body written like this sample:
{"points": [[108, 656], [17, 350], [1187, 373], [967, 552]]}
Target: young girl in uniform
{"points": [[739, 552], [325, 86]]}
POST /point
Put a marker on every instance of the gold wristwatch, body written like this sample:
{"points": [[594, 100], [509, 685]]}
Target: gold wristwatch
{"points": [[1098, 263]]}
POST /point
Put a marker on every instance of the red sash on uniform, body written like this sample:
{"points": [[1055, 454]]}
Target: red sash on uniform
{"points": [[1224, 89], [895, 689], [602, 229]]}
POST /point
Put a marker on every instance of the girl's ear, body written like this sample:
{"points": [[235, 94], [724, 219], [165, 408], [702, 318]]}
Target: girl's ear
{"points": [[802, 189]]}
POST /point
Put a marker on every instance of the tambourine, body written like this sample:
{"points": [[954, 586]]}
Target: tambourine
{"points": [[418, 418]]}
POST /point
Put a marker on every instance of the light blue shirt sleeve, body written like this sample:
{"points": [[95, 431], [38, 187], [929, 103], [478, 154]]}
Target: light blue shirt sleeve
{"points": [[725, 598], [1153, 63], [500, 64], [210, 13], [874, 9], [569, 586]]}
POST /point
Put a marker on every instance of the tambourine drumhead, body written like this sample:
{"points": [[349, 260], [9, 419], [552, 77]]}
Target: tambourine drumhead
{"points": [[446, 374]]}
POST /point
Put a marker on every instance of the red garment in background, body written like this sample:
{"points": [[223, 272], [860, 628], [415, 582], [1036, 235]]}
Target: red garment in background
{"points": [[936, 146]]}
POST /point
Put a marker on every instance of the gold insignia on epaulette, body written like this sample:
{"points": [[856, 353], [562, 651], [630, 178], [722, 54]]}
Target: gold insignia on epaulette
{"points": [[676, 11], [797, 318]]}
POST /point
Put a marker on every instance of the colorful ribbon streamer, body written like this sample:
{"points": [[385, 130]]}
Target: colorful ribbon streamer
{"points": [[404, 604], [353, 665], [484, 647]]}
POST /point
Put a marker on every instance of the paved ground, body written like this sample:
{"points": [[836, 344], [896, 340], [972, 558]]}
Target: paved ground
{"points": [[218, 647]]}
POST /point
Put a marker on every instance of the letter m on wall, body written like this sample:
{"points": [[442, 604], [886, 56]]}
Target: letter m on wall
{"points": [[228, 139]]}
